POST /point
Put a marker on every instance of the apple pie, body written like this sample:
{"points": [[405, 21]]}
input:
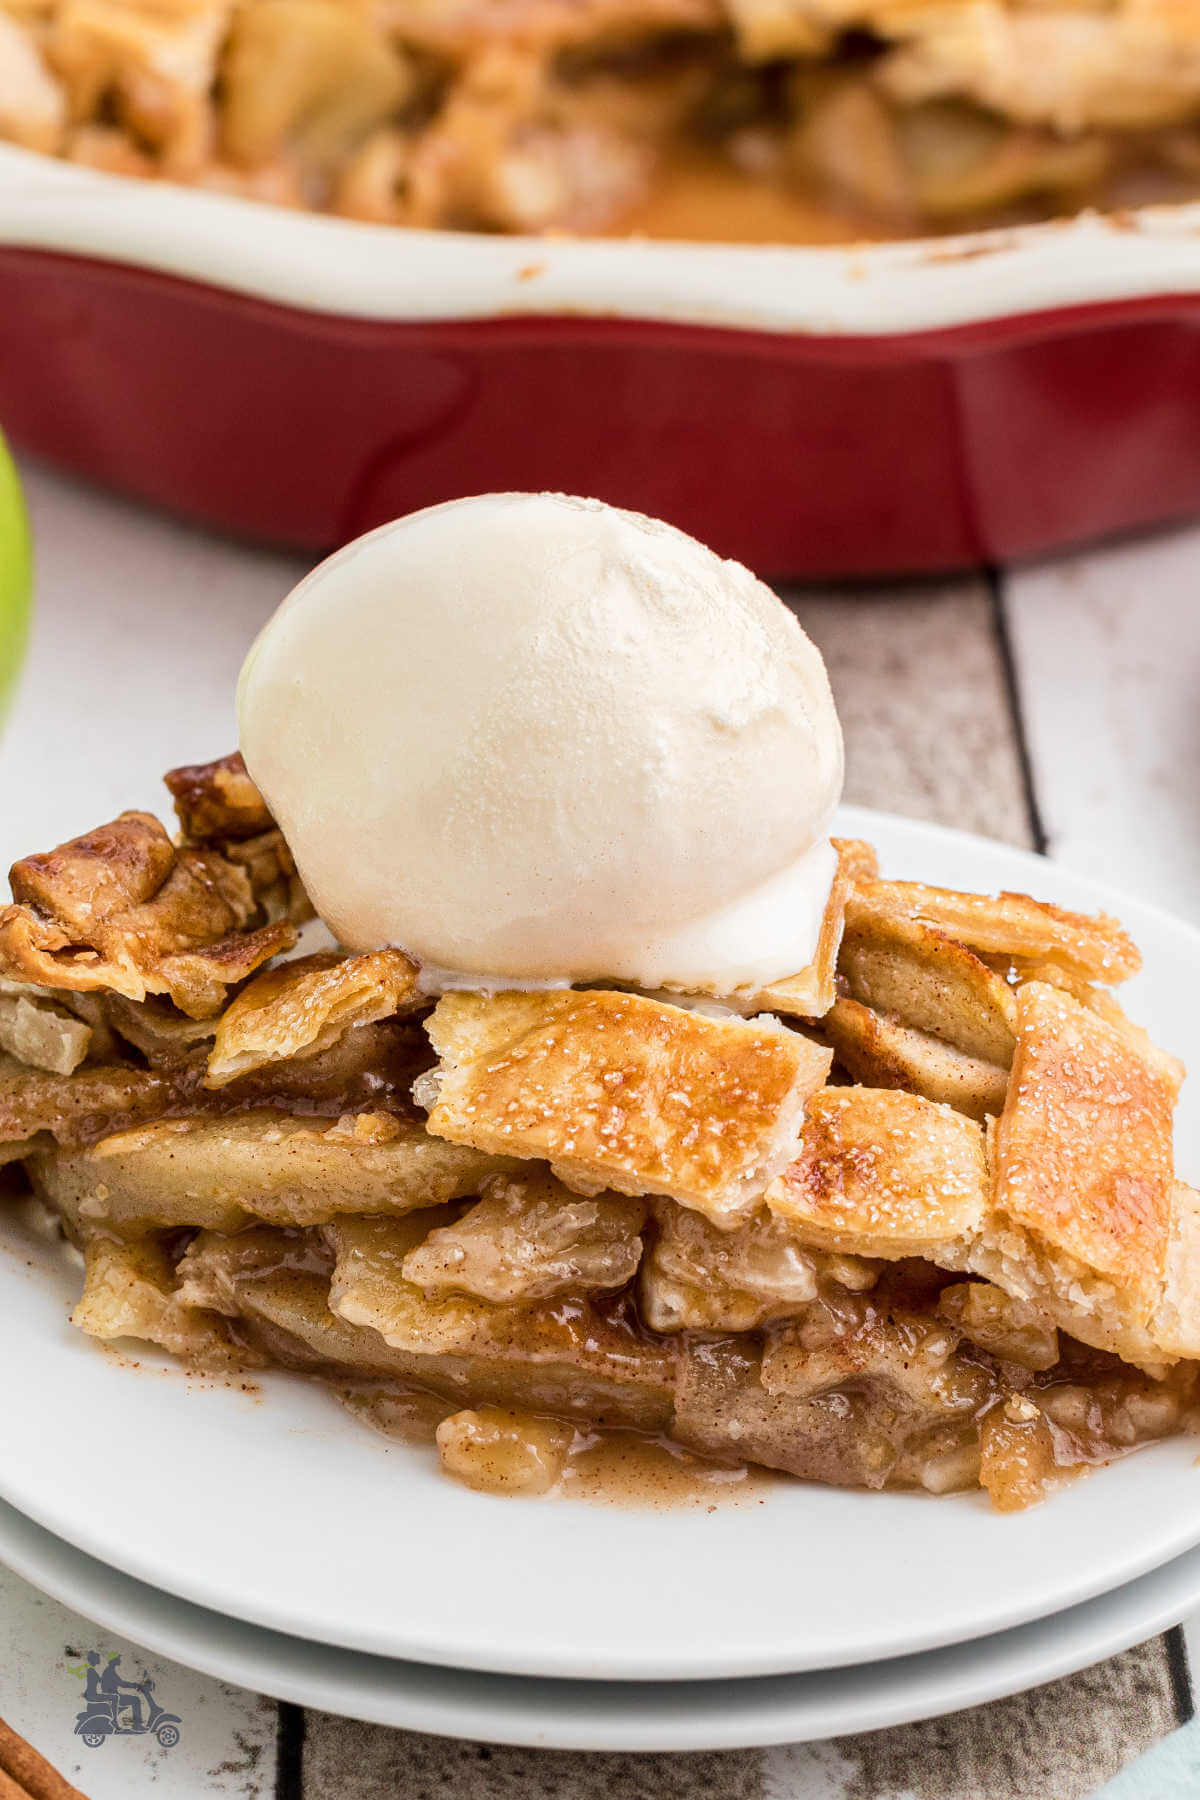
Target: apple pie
{"points": [[908, 1220], [792, 120]]}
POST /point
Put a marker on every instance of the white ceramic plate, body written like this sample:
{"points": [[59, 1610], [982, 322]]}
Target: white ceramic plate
{"points": [[602, 1715], [281, 1511]]}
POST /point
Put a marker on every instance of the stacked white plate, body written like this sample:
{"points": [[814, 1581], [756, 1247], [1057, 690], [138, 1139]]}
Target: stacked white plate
{"points": [[266, 1537]]}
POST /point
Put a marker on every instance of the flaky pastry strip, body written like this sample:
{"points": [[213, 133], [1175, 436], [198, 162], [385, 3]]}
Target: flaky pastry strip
{"points": [[1080, 1214], [1084, 1186], [618, 1091], [1094, 947], [300, 1008], [122, 908], [884, 1173]]}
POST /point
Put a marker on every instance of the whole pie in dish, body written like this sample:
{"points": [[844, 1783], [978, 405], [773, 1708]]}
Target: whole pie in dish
{"points": [[791, 120], [673, 1118]]}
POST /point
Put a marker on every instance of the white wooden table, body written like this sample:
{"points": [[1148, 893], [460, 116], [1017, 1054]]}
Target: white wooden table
{"points": [[1057, 706]]}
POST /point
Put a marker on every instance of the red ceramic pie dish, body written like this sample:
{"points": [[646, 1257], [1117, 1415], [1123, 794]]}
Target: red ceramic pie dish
{"points": [[814, 412]]}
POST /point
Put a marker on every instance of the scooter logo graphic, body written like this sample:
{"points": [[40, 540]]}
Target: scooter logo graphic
{"points": [[114, 1707]]}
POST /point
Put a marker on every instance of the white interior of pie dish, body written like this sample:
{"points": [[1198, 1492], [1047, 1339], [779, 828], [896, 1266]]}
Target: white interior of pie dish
{"points": [[384, 273]]}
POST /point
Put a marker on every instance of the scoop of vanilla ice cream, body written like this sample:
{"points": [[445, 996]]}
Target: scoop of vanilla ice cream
{"points": [[535, 739]]}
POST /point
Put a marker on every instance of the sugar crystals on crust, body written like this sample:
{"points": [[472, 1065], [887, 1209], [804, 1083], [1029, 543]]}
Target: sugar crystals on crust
{"points": [[1084, 1174], [615, 1090], [884, 1173]]}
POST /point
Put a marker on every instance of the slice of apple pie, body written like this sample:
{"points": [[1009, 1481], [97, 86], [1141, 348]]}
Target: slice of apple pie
{"points": [[910, 1219]]}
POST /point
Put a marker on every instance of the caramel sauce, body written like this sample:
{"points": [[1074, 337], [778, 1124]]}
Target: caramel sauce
{"points": [[611, 1468], [619, 1468]]}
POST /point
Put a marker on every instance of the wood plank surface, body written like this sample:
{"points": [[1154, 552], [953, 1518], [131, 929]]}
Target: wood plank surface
{"points": [[227, 1737], [1107, 653], [1106, 649]]}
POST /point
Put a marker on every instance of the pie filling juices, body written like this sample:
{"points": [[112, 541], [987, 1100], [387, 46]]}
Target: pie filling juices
{"points": [[625, 1131], [728, 120]]}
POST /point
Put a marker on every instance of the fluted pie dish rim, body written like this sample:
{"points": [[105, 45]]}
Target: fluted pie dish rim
{"points": [[344, 268]]}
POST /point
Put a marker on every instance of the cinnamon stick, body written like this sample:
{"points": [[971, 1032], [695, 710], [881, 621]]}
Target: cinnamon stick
{"points": [[26, 1775]]}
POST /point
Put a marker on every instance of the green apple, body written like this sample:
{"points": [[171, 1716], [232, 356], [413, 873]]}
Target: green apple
{"points": [[16, 577]]}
